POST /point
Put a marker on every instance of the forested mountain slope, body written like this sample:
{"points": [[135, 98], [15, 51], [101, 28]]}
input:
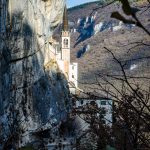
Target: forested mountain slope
{"points": [[93, 29]]}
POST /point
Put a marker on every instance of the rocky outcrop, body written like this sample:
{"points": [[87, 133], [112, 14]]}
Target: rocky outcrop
{"points": [[33, 91]]}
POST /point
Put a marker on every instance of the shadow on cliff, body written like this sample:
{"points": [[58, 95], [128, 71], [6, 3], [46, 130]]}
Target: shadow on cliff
{"points": [[37, 85], [33, 91]]}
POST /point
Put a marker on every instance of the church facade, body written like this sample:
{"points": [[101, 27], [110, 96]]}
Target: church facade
{"points": [[61, 54]]}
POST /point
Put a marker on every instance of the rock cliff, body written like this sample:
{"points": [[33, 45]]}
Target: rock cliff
{"points": [[33, 91]]}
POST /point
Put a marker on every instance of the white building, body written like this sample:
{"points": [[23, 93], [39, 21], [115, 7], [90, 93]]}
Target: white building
{"points": [[70, 70], [62, 55], [62, 144], [103, 104], [73, 77]]}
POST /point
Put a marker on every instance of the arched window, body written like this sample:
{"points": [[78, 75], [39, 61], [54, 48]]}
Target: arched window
{"points": [[66, 43]]}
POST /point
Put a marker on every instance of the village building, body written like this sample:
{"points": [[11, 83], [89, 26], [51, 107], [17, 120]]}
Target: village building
{"points": [[103, 104], [61, 54]]}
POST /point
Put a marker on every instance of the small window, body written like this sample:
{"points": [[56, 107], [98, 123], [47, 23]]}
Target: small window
{"points": [[72, 76], [57, 47], [65, 43], [103, 102], [72, 67]]}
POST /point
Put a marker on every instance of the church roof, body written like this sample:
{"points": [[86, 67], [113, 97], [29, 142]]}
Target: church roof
{"points": [[65, 20]]}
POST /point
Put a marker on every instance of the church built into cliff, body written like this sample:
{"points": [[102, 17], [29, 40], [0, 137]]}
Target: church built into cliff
{"points": [[61, 53]]}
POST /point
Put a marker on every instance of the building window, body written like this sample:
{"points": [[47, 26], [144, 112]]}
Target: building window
{"points": [[57, 47], [66, 43], [103, 102], [72, 67], [72, 76]]}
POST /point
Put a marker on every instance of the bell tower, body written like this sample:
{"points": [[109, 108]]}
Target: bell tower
{"points": [[65, 38]]}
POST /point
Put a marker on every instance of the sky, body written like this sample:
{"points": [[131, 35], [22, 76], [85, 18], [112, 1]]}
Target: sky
{"points": [[71, 3]]}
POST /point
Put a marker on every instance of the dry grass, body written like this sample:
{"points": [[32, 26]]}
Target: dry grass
{"points": [[99, 60]]}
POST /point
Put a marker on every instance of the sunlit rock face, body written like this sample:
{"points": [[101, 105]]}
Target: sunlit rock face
{"points": [[33, 91]]}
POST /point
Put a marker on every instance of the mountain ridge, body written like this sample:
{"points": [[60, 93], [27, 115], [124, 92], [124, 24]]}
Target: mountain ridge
{"points": [[96, 59]]}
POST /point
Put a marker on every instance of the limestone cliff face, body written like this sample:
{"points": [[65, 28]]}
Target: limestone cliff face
{"points": [[33, 91]]}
